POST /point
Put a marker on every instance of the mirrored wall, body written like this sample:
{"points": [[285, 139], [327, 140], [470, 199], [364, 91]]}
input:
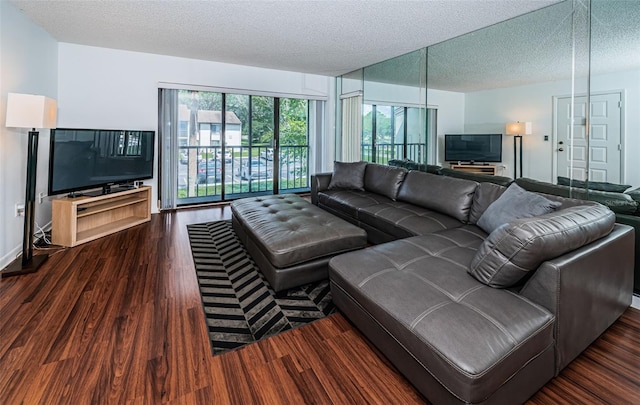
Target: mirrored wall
{"points": [[388, 99], [570, 70]]}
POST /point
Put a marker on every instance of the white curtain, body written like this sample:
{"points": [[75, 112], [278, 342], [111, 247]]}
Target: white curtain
{"points": [[167, 147], [351, 128]]}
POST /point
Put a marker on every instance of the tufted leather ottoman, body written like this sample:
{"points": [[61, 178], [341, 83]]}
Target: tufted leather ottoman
{"points": [[291, 239]]}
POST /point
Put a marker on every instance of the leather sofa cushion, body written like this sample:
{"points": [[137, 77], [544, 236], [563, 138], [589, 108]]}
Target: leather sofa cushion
{"points": [[403, 220], [618, 202], [485, 195], [470, 337], [348, 176], [349, 202], [384, 180], [516, 248], [515, 203], [289, 230], [447, 195]]}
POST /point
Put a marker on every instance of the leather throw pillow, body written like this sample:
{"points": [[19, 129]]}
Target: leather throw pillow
{"points": [[349, 176], [515, 203]]}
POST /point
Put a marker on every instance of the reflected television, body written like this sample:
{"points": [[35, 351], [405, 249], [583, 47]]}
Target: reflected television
{"points": [[473, 148]]}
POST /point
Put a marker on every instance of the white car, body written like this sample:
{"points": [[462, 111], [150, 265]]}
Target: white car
{"points": [[227, 156], [259, 170], [268, 154]]}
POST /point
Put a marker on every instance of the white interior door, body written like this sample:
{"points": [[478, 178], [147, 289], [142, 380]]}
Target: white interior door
{"points": [[599, 159]]}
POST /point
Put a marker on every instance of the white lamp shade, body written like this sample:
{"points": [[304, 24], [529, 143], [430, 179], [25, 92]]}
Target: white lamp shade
{"points": [[518, 128], [31, 111]]}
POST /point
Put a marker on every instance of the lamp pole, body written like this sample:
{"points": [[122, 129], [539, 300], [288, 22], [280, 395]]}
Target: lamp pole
{"points": [[29, 111], [29, 262]]}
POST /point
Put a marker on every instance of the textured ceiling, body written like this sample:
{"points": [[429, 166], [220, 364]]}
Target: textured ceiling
{"points": [[537, 47], [326, 37], [532, 48]]}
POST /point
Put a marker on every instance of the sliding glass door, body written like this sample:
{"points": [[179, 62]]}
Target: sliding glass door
{"points": [[260, 145]]}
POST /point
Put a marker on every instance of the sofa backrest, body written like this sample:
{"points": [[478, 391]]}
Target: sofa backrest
{"points": [[439, 193], [479, 177], [384, 180], [618, 202]]}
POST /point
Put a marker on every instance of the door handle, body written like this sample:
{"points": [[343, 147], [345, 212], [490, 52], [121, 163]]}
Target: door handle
{"points": [[560, 149]]}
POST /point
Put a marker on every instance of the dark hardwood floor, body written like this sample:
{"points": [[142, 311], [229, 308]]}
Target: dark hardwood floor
{"points": [[119, 321]]}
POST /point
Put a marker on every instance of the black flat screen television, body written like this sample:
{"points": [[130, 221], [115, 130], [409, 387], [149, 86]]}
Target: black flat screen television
{"points": [[473, 148], [84, 159]]}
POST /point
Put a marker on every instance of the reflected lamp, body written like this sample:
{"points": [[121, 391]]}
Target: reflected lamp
{"points": [[517, 129]]}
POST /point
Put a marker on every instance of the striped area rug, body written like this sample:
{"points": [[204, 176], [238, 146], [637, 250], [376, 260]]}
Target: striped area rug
{"points": [[239, 304]]}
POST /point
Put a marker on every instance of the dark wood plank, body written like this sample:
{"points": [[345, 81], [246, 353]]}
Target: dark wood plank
{"points": [[120, 320]]}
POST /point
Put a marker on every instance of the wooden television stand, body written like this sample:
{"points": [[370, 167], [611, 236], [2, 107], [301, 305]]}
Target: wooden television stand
{"points": [[83, 219], [481, 169]]}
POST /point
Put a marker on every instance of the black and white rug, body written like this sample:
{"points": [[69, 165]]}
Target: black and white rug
{"points": [[239, 304]]}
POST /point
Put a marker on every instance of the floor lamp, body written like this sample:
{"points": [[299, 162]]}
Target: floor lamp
{"points": [[29, 111], [517, 129]]}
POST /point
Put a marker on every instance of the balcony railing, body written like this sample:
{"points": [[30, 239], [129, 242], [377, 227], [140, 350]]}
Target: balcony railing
{"points": [[205, 170], [387, 151]]}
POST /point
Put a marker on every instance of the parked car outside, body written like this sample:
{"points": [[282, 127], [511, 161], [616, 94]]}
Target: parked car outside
{"points": [[209, 171], [255, 169], [227, 156], [267, 154], [184, 157]]}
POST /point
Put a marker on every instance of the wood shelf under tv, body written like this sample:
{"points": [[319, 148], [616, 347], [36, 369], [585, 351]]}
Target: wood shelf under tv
{"points": [[481, 169], [83, 219]]}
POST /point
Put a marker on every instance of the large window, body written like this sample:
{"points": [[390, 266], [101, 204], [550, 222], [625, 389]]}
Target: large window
{"points": [[259, 145]]}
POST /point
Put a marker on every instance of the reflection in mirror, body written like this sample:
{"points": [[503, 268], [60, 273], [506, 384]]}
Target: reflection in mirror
{"points": [[349, 115], [615, 92], [539, 68], [351, 83], [394, 114], [512, 71]]}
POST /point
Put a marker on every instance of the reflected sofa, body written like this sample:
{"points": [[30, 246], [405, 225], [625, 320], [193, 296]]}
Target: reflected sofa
{"points": [[459, 327]]}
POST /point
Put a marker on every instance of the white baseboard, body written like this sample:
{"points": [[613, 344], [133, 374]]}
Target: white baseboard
{"points": [[9, 257], [13, 253], [635, 303]]}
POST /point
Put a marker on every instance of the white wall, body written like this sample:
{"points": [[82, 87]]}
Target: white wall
{"points": [[29, 60], [490, 110], [392, 94], [114, 89]]}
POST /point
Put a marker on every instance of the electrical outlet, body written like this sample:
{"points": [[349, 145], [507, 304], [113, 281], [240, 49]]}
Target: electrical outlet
{"points": [[41, 197], [19, 210]]}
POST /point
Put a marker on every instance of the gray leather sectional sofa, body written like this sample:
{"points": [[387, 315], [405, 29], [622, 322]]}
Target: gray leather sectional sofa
{"points": [[471, 316], [623, 200]]}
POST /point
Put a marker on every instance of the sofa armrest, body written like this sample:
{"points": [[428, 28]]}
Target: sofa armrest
{"points": [[586, 289], [319, 182]]}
